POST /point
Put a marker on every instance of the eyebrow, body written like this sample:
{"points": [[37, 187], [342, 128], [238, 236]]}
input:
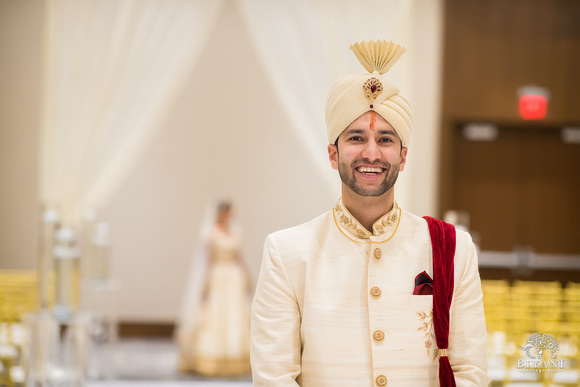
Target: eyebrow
{"points": [[387, 131]]}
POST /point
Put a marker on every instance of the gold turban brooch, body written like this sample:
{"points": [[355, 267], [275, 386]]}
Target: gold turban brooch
{"points": [[354, 95]]}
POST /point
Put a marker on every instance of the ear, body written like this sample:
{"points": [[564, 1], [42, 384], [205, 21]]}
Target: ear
{"points": [[403, 159], [333, 156]]}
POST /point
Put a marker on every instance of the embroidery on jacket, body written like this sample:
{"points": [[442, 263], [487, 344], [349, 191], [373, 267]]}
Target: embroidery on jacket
{"points": [[347, 222], [380, 227], [426, 320], [387, 222]]}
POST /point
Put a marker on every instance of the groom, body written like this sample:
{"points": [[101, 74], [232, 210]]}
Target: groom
{"points": [[346, 298]]}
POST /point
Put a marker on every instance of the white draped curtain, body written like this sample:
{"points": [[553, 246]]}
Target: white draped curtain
{"points": [[112, 70], [304, 47]]}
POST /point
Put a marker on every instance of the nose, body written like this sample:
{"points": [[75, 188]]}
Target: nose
{"points": [[371, 151]]}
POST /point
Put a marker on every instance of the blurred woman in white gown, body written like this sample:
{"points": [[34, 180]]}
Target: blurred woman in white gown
{"points": [[214, 338]]}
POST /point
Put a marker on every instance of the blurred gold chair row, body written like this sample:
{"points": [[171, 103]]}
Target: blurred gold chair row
{"points": [[522, 319], [18, 296], [532, 306]]}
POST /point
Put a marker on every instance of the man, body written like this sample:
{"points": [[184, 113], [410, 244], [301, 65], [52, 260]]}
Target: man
{"points": [[337, 303]]}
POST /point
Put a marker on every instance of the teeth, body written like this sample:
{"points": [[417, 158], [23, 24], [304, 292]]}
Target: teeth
{"points": [[370, 170]]}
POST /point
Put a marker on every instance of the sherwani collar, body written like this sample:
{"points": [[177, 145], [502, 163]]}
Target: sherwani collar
{"points": [[383, 229]]}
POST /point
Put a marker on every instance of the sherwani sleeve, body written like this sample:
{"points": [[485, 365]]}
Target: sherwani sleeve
{"points": [[467, 332], [275, 333]]}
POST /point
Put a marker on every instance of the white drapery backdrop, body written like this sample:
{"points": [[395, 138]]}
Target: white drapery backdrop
{"points": [[112, 70], [304, 47]]}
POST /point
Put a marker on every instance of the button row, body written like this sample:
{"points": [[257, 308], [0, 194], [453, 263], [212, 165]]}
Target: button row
{"points": [[378, 335]]}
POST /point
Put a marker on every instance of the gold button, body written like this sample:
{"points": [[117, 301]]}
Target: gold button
{"points": [[378, 253], [378, 335], [381, 380], [376, 291]]}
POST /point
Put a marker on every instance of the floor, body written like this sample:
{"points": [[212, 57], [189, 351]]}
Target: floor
{"points": [[153, 363]]}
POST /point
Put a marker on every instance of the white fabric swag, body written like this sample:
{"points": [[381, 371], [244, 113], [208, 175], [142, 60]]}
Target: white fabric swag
{"points": [[112, 69]]}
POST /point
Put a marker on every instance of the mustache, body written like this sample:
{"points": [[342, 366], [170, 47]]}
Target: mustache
{"points": [[383, 164]]}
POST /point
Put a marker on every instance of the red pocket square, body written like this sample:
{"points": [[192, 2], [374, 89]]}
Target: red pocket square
{"points": [[423, 284]]}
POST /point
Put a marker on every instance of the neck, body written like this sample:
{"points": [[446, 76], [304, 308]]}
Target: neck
{"points": [[368, 209], [222, 226]]}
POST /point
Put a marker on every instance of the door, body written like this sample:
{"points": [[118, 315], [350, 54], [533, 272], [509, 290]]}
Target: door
{"points": [[520, 189]]}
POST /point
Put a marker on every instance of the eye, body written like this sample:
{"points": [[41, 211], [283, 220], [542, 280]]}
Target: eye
{"points": [[355, 138], [386, 139]]}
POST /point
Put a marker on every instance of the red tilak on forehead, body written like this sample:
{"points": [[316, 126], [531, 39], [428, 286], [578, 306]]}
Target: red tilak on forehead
{"points": [[372, 122]]}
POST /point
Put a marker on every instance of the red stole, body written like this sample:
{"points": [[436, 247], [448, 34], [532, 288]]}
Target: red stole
{"points": [[443, 245]]}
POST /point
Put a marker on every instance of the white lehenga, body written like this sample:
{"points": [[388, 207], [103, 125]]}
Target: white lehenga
{"points": [[218, 342]]}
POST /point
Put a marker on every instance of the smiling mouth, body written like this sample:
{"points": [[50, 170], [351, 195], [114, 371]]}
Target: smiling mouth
{"points": [[370, 170]]}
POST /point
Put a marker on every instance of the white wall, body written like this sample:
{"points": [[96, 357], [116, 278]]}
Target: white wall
{"points": [[226, 135], [21, 24]]}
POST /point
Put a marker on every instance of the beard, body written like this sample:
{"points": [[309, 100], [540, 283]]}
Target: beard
{"points": [[347, 175]]}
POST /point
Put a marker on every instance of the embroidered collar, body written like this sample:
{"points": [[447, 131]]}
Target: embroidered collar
{"points": [[385, 226]]}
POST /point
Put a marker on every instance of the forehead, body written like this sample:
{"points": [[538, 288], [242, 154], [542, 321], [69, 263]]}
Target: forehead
{"points": [[364, 120]]}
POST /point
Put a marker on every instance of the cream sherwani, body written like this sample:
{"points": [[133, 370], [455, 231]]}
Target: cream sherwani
{"points": [[334, 306]]}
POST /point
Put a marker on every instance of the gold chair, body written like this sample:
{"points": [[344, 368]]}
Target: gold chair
{"points": [[496, 297], [569, 336], [535, 308], [18, 295]]}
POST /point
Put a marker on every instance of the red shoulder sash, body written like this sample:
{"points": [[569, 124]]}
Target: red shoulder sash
{"points": [[443, 244]]}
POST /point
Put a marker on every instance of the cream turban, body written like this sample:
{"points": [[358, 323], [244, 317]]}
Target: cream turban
{"points": [[356, 94]]}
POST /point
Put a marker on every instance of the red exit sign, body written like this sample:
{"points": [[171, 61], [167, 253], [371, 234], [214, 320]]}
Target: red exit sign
{"points": [[533, 102]]}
